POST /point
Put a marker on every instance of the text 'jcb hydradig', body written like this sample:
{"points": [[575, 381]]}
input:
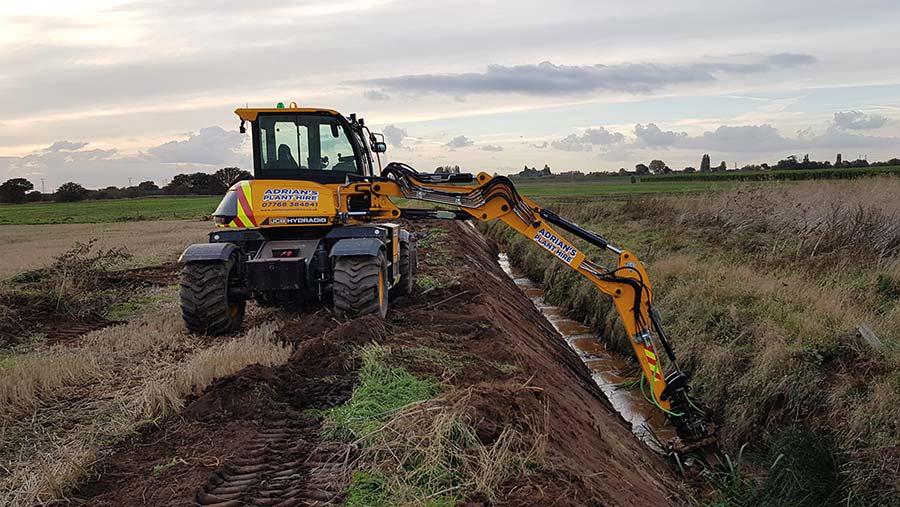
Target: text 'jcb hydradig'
{"points": [[314, 225]]}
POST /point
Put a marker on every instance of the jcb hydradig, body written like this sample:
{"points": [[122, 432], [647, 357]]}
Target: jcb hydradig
{"points": [[314, 225]]}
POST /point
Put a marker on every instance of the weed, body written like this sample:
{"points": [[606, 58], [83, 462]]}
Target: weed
{"points": [[382, 390], [505, 368], [433, 237], [426, 282], [437, 357], [163, 467]]}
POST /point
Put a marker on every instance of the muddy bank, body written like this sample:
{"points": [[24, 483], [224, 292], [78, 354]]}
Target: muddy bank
{"points": [[250, 439]]}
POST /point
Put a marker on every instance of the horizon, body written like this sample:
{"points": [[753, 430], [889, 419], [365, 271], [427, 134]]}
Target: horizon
{"points": [[108, 90]]}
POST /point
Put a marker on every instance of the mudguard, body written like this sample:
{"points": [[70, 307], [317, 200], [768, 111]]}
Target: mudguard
{"points": [[404, 236], [208, 252], [357, 246]]}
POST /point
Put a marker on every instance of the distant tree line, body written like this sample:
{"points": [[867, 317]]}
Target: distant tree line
{"points": [[20, 190], [533, 172]]}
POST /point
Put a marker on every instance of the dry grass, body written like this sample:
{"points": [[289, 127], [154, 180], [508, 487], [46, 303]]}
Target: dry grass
{"points": [[25, 380], [164, 395], [48, 479], [762, 291], [84, 398], [28, 247]]}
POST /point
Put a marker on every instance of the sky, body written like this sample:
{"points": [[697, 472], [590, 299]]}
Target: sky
{"points": [[107, 92]]}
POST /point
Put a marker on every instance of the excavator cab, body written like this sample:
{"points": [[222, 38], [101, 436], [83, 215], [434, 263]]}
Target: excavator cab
{"points": [[308, 144]]}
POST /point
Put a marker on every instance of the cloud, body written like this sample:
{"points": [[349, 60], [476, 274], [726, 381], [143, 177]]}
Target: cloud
{"points": [[394, 135], [547, 78], [212, 145], [791, 60], [755, 138], [588, 139], [541, 145], [492, 147], [651, 135], [63, 161], [375, 95], [857, 120], [459, 142], [66, 146]]}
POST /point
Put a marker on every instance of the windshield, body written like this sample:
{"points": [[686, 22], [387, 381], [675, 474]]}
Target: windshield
{"points": [[290, 144]]}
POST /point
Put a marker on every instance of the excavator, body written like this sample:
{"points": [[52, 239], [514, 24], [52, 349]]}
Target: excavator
{"points": [[317, 224]]}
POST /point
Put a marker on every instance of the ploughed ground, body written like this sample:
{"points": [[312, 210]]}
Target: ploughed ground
{"points": [[249, 439]]}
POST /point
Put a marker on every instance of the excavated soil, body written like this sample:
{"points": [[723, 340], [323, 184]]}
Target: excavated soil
{"points": [[249, 438]]}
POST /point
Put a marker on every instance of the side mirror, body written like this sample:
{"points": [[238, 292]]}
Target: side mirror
{"points": [[379, 147], [334, 130]]}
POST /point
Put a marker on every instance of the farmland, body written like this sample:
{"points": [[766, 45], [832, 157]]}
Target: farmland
{"points": [[763, 286], [683, 183], [116, 210]]}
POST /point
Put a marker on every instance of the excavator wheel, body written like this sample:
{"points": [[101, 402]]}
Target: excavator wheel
{"points": [[205, 305], [361, 285], [408, 259]]}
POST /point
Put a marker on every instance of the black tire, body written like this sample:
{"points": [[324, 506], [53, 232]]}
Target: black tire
{"points": [[361, 285], [408, 260], [205, 306]]}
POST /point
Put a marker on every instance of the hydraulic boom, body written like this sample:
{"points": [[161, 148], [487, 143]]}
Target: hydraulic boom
{"points": [[485, 198]]}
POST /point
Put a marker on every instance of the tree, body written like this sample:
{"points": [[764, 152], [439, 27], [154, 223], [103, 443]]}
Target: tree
{"points": [[231, 175], [722, 167], [546, 171], [641, 169], [148, 187], [195, 184], [838, 162], [623, 171], [704, 164], [70, 192], [447, 169], [658, 167], [13, 191], [633, 179], [34, 196], [689, 169]]}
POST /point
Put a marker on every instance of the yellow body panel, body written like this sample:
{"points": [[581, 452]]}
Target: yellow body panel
{"points": [[250, 114]]}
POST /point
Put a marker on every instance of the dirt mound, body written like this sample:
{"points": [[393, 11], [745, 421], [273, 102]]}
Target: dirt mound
{"points": [[248, 439]]}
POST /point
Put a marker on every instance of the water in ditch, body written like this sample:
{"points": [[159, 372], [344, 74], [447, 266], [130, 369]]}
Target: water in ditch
{"points": [[607, 368]]}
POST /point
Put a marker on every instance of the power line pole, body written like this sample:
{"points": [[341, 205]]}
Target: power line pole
{"points": [[43, 188], [129, 181]]}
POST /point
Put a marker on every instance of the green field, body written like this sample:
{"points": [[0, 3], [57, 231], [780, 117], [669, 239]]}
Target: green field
{"points": [[615, 185], [682, 183], [118, 210]]}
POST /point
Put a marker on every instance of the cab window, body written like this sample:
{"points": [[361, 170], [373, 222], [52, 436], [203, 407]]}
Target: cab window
{"points": [[290, 146], [337, 154]]}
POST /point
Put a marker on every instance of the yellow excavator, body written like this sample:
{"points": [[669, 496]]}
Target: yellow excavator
{"points": [[315, 225]]}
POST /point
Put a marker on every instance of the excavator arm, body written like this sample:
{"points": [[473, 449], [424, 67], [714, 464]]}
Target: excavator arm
{"points": [[486, 198]]}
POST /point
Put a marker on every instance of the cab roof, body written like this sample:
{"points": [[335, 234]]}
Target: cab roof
{"points": [[250, 114]]}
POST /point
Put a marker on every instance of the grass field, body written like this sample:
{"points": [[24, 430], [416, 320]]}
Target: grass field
{"points": [[764, 289], [612, 186], [684, 183], [118, 210]]}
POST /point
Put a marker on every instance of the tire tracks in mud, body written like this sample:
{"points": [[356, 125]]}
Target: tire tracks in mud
{"points": [[281, 466]]}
